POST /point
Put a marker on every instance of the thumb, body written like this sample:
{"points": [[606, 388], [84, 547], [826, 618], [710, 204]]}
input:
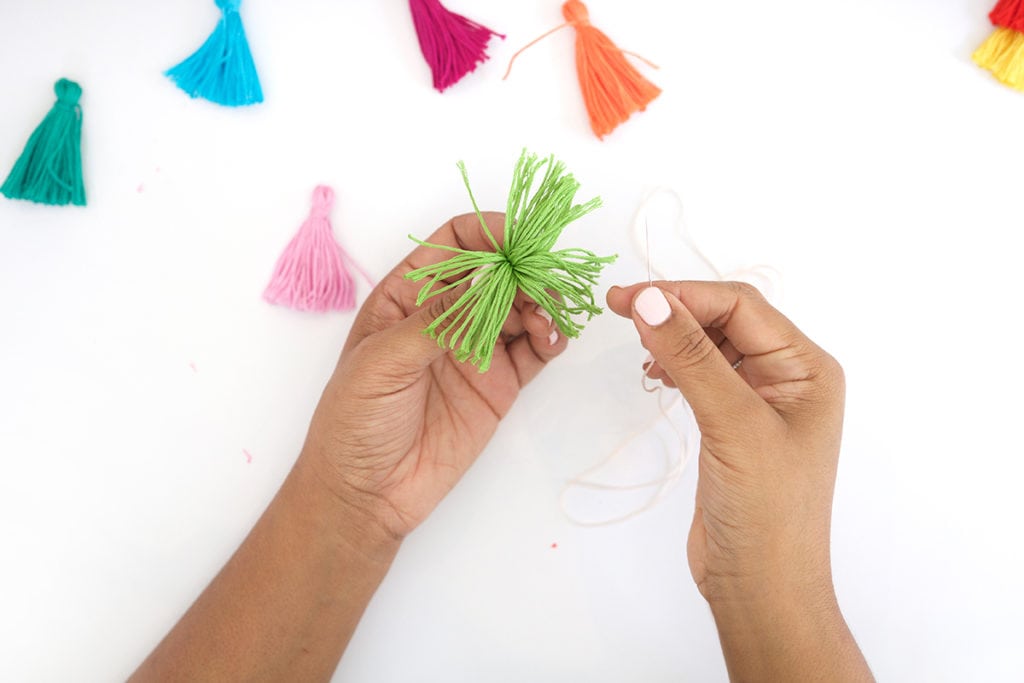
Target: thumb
{"points": [[405, 348], [715, 392]]}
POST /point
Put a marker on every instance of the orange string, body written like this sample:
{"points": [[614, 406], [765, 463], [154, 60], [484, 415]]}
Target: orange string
{"points": [[642, 59], [529, 45]]}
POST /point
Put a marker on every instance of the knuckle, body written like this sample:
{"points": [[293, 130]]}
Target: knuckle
{"points": [[832, 372], [692, 347], [824, 374], [438, 313], [744, 290], [439, 305]]}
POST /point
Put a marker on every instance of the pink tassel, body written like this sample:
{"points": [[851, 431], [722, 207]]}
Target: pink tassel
{"points": [[452, 44], [310, 275]]}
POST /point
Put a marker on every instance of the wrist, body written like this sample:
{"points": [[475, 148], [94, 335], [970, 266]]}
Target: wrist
{"points": [[350, 518], [787, 604], [785, 629]]}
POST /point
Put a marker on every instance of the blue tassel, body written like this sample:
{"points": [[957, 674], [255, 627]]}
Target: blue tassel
{"points": [[222, 70]]}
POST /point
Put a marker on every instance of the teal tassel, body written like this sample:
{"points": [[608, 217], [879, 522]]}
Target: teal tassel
{"points": [[49, 171], [222, 69]]}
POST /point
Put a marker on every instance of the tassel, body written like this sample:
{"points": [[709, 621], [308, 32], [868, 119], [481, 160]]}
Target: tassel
{"points": [[49, 170], [1003, 55], [613, 90], [1003, 52], [310, 275], [452, 44], [560, 281], [1008, 14], [222, 69]]}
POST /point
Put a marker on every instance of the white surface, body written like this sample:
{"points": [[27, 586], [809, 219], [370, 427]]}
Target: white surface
{"points": [[851, 145]]}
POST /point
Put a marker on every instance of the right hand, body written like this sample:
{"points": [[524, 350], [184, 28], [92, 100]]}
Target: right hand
{"points": [[770, 432], [770, 429], [769, 447]]}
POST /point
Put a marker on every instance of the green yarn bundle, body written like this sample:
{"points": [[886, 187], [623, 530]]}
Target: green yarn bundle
{"points": [[49, 170], [561, 281]]}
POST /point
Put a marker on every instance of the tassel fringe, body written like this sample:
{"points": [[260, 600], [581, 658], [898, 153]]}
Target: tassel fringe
{"points": [[452, 44], [613, 89], [1003, 55], [222, 69]]}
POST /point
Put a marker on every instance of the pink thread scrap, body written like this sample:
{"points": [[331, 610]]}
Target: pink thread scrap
{"points": [[310, 274], [248, 456], [139, 188], [554, 545], [192, 364]]}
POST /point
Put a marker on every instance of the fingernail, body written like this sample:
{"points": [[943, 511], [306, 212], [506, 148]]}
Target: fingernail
{"points": [[648, 360], [653, 306], [544, 314], [553, 338]]}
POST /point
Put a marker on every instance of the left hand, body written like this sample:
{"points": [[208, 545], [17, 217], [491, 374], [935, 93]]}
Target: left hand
{"points": [[401, 420]]}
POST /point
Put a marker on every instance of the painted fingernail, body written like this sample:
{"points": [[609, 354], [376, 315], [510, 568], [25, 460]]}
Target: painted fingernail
{"points": [[544, 314], [553, 338], [653, 306], [648, 360], [479, 274]]}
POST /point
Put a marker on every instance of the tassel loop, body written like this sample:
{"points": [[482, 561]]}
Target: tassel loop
{"points": [[68, 93], [323, 202], [576, 13]]}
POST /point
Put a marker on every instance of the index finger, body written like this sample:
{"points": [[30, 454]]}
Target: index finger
{"points": [[746, 319], [779, 361]]}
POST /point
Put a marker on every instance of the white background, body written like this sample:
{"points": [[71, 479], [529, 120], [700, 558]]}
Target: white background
{"points": [[852, 145]]}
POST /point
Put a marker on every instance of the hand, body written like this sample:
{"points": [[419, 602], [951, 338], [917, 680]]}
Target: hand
{"points": [[401, 420], [770, 432], [398, 424]]}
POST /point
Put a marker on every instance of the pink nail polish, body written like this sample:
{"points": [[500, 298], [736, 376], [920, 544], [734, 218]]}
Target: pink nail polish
{"points": [[553, 338], [652, 306], [544, 314], [648, 360], [477, 276]]}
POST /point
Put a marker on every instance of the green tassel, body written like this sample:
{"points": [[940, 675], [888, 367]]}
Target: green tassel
{"points": [[526, 262], [49, 171]]}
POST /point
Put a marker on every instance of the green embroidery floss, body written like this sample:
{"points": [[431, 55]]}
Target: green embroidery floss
{"points": [[49, 170], [561, 282]]}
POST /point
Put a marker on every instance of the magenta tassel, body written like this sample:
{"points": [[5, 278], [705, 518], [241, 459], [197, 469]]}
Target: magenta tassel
{"points": [[310, 275], [452, 44]]}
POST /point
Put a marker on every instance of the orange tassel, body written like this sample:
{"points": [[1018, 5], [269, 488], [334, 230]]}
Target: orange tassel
{"points": [[612, 88]]}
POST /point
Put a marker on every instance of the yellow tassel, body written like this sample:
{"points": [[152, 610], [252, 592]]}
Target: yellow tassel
{"points": [[1003, 55]]}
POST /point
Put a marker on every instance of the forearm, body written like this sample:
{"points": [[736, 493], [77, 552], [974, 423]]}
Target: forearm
{"points": [[787, 633], [286, 604]]}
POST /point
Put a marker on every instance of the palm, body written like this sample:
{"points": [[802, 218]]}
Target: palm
{"points": [[413, 433]]}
